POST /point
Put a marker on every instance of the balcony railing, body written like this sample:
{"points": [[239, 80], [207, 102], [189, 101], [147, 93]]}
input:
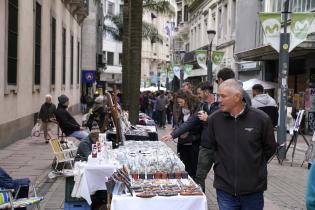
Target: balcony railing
{"points": [[78, 8]]}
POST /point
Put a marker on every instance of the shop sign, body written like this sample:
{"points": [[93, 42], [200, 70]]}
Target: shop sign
{"points": [[310, 99], [88, 76]]}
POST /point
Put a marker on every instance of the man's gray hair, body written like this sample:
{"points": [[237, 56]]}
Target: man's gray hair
{"points": [[48, 96], [233, 85]]}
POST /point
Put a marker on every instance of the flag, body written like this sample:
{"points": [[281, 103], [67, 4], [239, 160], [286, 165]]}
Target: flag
{"points": [[201, 56], [216, 58], [170, 76], [187, 72], [168, 29], [271, 23], [176, 70], [300, 25]]}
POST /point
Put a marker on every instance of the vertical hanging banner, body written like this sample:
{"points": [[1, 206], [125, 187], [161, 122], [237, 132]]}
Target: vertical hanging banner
{"points": [[187, 72], [201, 56], [271, 23], [300, 25], [176, 70], [216, 59], [170, 76], [163, 79]]}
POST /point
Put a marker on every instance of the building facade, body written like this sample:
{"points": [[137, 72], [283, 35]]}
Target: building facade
{"points": [[39, 54], [301, 82], [112, 49], [194, 18], [92, 39], [155, 55]]}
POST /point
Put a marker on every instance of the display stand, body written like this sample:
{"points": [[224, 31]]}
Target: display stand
{"points": [[296, 133], [310, 152]]}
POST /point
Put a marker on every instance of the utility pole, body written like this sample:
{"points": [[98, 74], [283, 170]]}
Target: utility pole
{"points": [[283, 82]]}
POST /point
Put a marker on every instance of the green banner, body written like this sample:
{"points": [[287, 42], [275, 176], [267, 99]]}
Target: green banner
{"points": [[170, 76], [176, 70], [300, 25], [271, 23], [217, 57], [188, 69], [201, 56]]}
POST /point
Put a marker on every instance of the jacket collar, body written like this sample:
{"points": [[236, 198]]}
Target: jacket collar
{"points": [[245, 111]]}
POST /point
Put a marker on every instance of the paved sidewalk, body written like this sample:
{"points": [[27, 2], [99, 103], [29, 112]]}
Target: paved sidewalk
{"points": [[30, 157]]}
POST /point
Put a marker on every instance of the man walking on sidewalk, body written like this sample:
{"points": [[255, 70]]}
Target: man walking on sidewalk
{"points": [[46, 115], [243, 140], [161, 106]]}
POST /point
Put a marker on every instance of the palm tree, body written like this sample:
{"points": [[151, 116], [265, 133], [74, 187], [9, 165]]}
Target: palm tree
{"points": [[135, 45], [149, 31], [132, 41]]}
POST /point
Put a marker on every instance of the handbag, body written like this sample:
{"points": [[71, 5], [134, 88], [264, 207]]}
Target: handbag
{"points": [[36, 130]]}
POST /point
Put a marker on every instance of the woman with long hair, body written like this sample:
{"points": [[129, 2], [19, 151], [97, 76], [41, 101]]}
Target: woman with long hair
{"points": [[188, 143]]}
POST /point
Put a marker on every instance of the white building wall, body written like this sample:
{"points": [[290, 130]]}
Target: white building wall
{"points": [[19, 104]]}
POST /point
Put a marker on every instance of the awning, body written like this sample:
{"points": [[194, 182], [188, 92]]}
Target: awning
{"points": [[266, 52], [113, 70]]}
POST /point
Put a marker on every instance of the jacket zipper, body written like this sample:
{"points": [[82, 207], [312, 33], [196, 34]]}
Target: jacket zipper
{"points": [[235, 159]]}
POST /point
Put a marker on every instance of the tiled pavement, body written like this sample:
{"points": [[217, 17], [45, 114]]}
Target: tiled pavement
{"points": [[31, 157]]}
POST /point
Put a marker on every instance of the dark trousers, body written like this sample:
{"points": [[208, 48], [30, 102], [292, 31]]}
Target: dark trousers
{"points": [[253, 201], [205, 162], [189, 156], [161, 118], [169, 116]]}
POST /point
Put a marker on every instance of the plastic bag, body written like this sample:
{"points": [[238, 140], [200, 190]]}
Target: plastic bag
{"points": [[36, 130]]}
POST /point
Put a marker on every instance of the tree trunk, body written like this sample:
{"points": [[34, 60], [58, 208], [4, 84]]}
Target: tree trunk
{"points": [[135, 58], [125, 55]]}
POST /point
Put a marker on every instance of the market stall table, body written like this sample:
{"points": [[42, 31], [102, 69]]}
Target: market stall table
{"points": [[94, 178], [125, 202]]}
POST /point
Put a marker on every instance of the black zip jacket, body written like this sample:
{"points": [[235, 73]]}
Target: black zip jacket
{"points": [[242, 146], [66, 122], [194, 121], [194, 131]]}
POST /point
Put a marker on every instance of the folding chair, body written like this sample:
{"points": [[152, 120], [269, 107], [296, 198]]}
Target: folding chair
{"points": [[63, 155], [10, 202]]}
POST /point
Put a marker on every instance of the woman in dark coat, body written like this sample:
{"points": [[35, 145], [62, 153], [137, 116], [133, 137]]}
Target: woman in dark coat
{"points": [[188, 143]]}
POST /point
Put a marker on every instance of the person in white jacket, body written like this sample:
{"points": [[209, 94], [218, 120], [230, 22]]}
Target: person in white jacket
{"points": [[260, 99]]}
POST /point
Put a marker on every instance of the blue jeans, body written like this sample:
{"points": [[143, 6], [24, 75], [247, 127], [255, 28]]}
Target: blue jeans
{"points": [[254, 201], [80, 135]]}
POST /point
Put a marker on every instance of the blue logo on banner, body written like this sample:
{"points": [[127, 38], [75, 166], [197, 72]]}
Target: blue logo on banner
{"points": [[88, 76]]}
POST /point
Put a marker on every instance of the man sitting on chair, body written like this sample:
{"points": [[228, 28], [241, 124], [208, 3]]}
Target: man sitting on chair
{"points": [[19, 185], [66, 122], [85, 146]]}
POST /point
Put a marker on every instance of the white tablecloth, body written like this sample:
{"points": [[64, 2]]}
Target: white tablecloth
{"points": [[125, 202], [94, 178]]}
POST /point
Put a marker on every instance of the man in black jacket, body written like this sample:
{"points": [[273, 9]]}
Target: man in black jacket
{"points": [[46, 115], [207, 106], [66, 122], [243, 140]]}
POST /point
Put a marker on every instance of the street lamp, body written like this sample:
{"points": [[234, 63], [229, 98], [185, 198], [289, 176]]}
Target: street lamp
{"points": [[182, 54], [211, 33]]}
